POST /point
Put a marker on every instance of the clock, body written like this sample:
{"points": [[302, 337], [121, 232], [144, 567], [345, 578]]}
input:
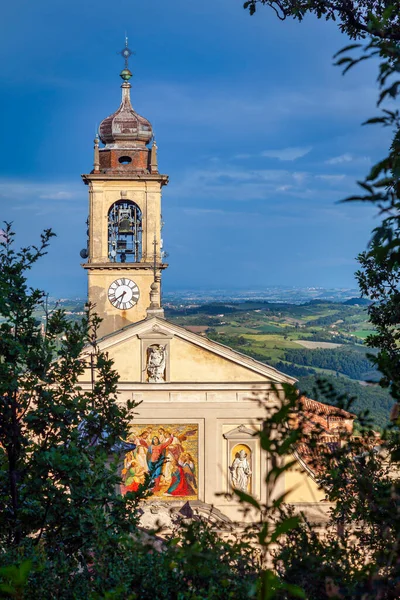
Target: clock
{"points": [[123, 293]]}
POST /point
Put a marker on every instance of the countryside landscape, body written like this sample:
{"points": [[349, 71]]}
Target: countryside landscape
{"points": [[317, 341], [313, 341]]}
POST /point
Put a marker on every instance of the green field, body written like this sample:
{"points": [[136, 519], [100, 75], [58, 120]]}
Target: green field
{"points": [[363, 333]]}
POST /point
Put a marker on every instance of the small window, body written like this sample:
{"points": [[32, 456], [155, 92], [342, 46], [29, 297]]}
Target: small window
{"points": [[125, 160]]}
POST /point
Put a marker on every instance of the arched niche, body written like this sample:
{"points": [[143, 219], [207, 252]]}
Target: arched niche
{"points": [[241, 467], [242, 439]]}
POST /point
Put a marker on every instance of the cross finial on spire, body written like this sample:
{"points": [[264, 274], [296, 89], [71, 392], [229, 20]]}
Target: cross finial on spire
{"points": [[126, 53]]}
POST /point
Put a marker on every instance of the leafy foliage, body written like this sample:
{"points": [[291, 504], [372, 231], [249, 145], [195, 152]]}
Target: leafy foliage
{"points": [[356, 18], [58, 491]]}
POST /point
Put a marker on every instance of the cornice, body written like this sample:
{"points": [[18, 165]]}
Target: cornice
{"points": [[137, 386], [111, 266], [89, 177]]}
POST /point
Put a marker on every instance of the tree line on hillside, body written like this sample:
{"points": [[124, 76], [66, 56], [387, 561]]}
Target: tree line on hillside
{"points": [[342, 310], [291, 369], [372, 398], [351, 363]]}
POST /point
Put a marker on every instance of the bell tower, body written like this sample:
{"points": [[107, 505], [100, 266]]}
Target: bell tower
{"points": [[124, 252]]}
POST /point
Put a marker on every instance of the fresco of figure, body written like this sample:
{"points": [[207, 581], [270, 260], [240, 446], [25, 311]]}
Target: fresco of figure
{"points": [[183, 480], [155, 458], [172, 453], [156, 360], [141, 449], [168, 453], [240, 471]]}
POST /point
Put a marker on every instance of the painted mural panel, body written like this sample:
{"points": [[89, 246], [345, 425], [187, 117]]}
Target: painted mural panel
{"points": [[169, 453]]}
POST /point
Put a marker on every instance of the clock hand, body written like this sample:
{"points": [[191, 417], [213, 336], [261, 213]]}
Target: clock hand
{"points": [[119, 299]]}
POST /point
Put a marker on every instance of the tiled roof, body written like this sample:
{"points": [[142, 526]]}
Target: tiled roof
{"points": [[320, 408], [324, 420]]}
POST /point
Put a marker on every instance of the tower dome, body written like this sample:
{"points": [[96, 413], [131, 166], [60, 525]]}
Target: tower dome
{"points": [[126, 136], [125, 128]]}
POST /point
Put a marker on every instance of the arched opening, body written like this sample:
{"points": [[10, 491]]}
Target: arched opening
{"points": [[125, 160], [125, 232]]}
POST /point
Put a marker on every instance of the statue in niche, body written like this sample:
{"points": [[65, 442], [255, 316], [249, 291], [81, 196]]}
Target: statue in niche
{"points": [[156, 359], [240, 471]]}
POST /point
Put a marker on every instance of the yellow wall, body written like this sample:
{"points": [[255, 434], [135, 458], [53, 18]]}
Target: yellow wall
{"points": [[101, 271], [191, 363], [217, 395], [301, 486], [114, 319]]}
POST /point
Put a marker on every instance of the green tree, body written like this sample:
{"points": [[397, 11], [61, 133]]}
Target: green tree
{"points": [[379, 278], [59, 505], [355, 555]]}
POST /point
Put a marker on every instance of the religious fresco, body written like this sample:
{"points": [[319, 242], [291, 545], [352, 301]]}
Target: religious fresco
{"points": [[240, 468], [169, 454]]}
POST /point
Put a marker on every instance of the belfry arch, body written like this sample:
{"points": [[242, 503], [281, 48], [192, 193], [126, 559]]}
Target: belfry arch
{"points": [[125, 229]]}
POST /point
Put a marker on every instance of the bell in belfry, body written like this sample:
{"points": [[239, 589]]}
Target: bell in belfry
{"points": [[125, 226], [125, 222]]}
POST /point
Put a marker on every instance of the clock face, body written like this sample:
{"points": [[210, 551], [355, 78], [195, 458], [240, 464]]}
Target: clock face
{"points": [[123, 293]]}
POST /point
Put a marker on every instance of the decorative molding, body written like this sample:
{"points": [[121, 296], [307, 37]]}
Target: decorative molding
{"points": [[91, 177], [155, 334], [242, 433], [104, 266]]}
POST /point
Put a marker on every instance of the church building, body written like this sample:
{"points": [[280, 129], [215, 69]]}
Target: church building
{"points": [[199, 399]]}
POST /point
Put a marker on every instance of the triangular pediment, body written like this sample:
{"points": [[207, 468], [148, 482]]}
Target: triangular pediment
{"points": [[240, 433], [191, 357]]}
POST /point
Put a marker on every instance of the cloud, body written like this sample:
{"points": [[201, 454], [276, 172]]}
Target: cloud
{"points": [[57, 195], [230, 184], [41, 197], [276, 215], [347, 158], [196, 109], [337, 160], [287, 153]]}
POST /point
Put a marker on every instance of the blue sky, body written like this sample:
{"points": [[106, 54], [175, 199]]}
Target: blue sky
{"points": [[260, 134]]}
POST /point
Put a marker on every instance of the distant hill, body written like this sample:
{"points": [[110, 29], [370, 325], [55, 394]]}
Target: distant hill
{"points": [[357, 302]]}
